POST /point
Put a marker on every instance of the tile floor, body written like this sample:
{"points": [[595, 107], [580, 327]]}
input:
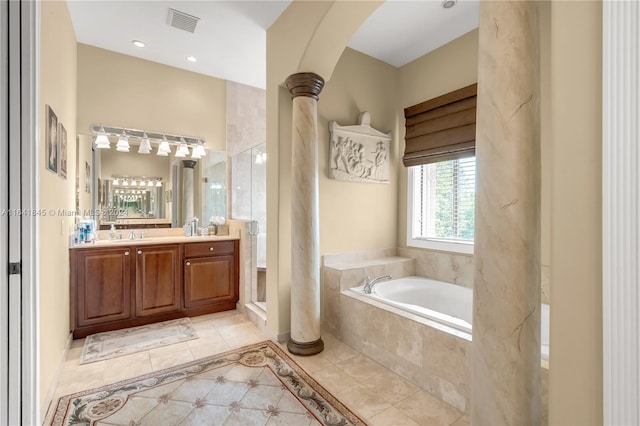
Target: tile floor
{"points": [[377, 395]]}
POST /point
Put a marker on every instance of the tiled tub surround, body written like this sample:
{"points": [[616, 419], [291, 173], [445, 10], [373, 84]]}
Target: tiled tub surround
{"points": [[457, 268], [432, 355]]}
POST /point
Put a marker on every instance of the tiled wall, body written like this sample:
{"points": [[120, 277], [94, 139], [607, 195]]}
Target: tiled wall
{"points": [[458, 268], [442, 266]]}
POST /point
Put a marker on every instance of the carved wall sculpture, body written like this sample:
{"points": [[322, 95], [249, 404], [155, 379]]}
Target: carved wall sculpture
{"points": [[359, 153]]}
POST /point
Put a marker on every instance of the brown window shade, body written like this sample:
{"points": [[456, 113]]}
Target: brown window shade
{"points": [[441, 129]]}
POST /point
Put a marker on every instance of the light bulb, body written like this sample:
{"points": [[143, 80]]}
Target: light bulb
{"points": [[183, 150], [164, 149], [123, 143], [195, 154], [102, 141], [201, 152], [145, 145]]}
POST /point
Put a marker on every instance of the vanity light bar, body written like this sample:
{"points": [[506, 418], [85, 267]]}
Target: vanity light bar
{"points": [[120, 180], [173, 139]]}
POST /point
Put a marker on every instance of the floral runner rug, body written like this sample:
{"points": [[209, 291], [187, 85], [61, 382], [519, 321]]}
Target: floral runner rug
{"points": [[254, 385], [111, 344]]}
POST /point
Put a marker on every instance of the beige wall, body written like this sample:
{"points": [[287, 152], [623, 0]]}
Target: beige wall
{"points": [[357, 216], [120, 90], [57, 89], [451, 67], [575, 381]]}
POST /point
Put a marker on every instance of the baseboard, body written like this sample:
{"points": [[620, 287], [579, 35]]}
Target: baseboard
{"points": [[46, 402]]}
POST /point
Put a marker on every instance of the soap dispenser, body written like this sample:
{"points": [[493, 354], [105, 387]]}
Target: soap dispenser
{"points": [[112, 232]]}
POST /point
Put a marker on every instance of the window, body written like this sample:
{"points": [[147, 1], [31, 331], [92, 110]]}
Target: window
{"points": [[441, 205]]}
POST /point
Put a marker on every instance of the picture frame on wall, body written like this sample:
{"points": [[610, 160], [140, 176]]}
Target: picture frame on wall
{"points": [[62, 166], [51, 140], [87, 177]]}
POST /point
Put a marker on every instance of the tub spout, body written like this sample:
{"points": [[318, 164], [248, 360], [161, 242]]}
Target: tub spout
{"points": [[370, 282]]}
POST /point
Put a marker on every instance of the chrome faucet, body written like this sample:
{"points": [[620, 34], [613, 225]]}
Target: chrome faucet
{"points": [[370, 282], [132, 235]]}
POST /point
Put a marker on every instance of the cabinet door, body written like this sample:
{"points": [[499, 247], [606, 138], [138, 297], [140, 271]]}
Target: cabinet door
{"points": [[157, 279], [209, 280], [103, 283]]}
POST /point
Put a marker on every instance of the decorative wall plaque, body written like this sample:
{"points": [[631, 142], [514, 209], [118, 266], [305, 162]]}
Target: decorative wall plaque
{"points": [[359, 153]]}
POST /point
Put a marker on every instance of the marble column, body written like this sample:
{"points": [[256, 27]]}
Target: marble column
{"points": [[305, 236], [187, 190], [506, 293]]}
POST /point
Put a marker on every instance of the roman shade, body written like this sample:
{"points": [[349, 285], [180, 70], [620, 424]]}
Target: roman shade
{"points": [[442, 128]]}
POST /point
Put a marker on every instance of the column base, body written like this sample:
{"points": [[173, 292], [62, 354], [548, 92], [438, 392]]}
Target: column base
{"points": [[305, 349]]}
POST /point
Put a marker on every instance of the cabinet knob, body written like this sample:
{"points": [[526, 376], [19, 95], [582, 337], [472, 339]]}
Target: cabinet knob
{"points": [[210, 248], [126, 253], [139, 251], [188, 263]]}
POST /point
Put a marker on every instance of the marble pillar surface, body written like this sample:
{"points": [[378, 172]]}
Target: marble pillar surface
{"points": [[188, 199], [305, 235], [506, 299]]}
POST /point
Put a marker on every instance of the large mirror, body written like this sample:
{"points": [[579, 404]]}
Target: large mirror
{"points": [[137, 190]]}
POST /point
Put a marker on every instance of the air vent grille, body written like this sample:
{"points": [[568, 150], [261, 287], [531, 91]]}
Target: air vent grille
{"points": [[182, 21]]}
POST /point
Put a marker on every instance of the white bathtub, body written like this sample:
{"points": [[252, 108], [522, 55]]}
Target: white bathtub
{"points": [[448, 304]]}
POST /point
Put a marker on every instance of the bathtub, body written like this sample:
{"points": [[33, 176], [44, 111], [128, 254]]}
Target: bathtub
{"points": [[445, 303]]}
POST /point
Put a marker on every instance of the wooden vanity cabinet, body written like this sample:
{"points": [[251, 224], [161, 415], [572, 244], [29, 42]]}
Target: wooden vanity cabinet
{"points": [[127, 286], [102, 285], [210, 275], [158, 283]]}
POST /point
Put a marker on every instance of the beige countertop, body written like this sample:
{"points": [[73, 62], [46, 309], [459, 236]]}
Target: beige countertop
{"points": [[126, 242], [133, 220]]}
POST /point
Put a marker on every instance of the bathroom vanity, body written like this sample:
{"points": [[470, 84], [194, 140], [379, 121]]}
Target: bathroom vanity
{"points": [[126, 283]]}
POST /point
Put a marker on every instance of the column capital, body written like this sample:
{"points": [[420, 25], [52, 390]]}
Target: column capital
{"points": [[307, 84], [189, 164]]}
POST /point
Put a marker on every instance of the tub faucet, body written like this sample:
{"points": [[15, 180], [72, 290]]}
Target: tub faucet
{"points": [[370, 282]]}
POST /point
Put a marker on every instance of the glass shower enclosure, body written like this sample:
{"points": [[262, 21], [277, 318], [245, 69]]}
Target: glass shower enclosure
{"points": [[249, 202]]}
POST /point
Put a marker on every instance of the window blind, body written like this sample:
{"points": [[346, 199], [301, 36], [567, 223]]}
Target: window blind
{"points": [[444, 200], [441, 129]]}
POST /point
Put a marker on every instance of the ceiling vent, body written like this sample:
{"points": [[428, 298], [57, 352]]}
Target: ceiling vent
{"points": [[182, 21]]}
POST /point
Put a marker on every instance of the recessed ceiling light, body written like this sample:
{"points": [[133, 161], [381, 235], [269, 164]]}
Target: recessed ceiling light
{"points": [[191, 58], [138, 43], [448, 4]]}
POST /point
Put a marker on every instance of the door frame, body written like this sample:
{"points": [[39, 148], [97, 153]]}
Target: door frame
{"points": [[19, 196], [620, 212]]}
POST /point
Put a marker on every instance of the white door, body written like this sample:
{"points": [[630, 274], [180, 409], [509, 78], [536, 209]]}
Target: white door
{"points": [[18, 150]]}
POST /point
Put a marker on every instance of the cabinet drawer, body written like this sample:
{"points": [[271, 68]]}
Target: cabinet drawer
{"points": [[209, 248]]}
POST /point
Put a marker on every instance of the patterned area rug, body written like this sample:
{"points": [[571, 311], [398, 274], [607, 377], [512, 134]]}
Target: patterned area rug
{"points": [[111, 344], [254, 385]]}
